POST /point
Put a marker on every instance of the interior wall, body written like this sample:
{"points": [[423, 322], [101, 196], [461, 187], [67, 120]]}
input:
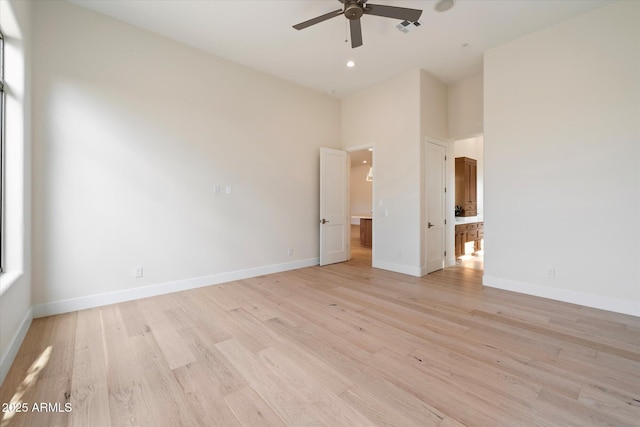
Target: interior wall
{"points": [[15, 281], [434, 101], [562, 161], [465, 107], [133, 133], [386, 116]]}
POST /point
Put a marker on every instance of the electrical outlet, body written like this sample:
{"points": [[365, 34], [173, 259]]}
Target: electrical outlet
{"points": [[290, 252], [551, 273], [216, 189], [138, 272]]}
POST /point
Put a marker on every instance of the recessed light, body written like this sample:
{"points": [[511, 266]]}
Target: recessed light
{"points": [[351, 64], [370, 149]]}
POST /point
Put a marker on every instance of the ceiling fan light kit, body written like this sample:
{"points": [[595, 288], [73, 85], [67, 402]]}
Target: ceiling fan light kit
{"points": [[353, 11]]}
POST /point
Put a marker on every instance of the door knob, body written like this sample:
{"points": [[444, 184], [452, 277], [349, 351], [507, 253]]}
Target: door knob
{"points": [[430, 225], [323, 221]]}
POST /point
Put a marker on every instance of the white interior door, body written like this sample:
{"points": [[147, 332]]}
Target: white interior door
{"points": [[334, 206], [435, 208]]}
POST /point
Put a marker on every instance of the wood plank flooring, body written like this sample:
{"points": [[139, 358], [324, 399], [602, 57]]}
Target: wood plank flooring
{"points": [[339, 345]]}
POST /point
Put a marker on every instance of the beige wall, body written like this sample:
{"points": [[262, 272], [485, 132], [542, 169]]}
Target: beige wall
{"points": [[562, 161], [132, 132], [465, 108], [434, 115]]}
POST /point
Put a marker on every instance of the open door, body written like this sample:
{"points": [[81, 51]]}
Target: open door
{"points": [[435, 209], [334, 206]]}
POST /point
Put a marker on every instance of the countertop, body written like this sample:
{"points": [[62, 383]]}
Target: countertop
{"points": [[468, 219]]}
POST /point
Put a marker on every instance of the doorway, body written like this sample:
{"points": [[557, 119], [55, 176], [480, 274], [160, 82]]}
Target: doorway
{"points": [[472, 248], [361, 205]]}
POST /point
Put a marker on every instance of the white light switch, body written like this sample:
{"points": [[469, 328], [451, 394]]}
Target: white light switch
{"points": [[228, 189], [216, 189]]}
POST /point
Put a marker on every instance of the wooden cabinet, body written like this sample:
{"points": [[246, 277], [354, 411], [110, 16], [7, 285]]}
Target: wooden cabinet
{"points": [[366, 231], [467, 185], [473, 232], [460, 236]]}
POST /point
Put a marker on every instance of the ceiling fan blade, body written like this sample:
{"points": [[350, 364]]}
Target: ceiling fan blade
{"points": [[318, 19], [356, 33], [406, 14]]}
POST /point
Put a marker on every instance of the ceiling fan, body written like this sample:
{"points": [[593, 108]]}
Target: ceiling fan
{"points": [[354, 9]]}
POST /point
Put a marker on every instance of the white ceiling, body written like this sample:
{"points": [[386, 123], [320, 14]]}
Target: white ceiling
{"points": [[259, 34]]}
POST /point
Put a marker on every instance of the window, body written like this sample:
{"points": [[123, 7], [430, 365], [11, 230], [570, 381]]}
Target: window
{"points": [[2, 134]]}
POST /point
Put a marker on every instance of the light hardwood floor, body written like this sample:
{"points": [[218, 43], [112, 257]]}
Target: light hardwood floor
{"points": [[339, 345]]}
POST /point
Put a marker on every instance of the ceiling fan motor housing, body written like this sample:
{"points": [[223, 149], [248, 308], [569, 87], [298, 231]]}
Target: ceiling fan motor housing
{"points": [[353, 9]]}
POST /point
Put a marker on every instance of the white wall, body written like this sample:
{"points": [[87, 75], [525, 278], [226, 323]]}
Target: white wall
{"points": [[562, 161], [386, 116], [15, 282], [434, 116], [465, 108], [131, 134]]}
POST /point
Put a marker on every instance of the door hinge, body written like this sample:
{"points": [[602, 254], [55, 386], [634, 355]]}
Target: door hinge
{"points": [[445, 222], [445, 253], [445, 189]]}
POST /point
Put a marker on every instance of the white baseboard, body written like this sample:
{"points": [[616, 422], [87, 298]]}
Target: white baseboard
{"points": [[580, 298], [82, 303], [10, 354], [398, 268]]}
